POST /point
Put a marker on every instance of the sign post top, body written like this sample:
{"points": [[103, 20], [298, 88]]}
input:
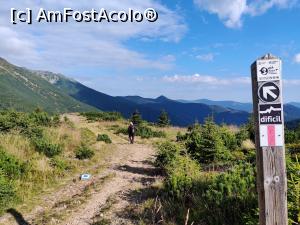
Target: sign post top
{"points": [[268, 56]]}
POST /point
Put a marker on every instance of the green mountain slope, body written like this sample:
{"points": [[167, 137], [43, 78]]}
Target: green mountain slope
{"points": [[25, 90]]}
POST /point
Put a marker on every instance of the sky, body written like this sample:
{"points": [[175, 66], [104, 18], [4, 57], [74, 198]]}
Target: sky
{"points": [[196, 49]]}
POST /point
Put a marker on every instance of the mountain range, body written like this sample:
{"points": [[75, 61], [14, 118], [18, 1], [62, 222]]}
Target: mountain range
{"points": [[25, 89]]}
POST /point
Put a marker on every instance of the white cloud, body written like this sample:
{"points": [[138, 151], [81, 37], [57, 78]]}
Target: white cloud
{"points": [[206, 79], [58, 46], [231, 12], [297, 58], [206, 57]]}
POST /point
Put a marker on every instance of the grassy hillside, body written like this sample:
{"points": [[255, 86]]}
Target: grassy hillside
{"points": [[39, 152], [24, 90]]}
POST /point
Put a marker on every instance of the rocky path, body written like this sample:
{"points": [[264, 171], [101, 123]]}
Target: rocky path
{"points": [[106, 195]]}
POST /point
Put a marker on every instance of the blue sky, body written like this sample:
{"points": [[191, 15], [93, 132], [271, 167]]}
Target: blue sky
{"points": [[197, 48]]}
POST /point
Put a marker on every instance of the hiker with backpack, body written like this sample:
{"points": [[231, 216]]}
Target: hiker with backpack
{"points": [[131, 132]]}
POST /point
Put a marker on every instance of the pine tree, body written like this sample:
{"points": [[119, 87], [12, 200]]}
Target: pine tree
{"points": [[163, 119], [136, 118], [205, 143]]}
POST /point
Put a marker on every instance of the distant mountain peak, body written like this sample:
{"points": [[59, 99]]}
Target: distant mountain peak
{"points": [[162, 98], [2, 60]]}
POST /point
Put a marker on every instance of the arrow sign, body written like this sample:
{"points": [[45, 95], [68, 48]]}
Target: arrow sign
{"points": [[269, 92]]}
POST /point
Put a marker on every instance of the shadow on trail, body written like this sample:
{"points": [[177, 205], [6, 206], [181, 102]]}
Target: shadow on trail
{"points": [[18, 217], [151, 215], [140, 170]]}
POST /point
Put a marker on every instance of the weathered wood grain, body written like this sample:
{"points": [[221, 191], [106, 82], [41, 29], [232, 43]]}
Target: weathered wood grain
{"points": [[271, 171]]}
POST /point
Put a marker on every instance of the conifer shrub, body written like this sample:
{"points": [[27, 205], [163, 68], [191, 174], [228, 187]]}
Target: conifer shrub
{"points": [[180, 137], [231, 197], [182, 172], [105, 138], [163, 119], [40, 118], [8, 195], [167, 152], [147, 132], [45, 146], [84, 152], [136, 118], [229, 138], [102, 116], [143, 131], [205, 144], [293, 195], [10, 166]]}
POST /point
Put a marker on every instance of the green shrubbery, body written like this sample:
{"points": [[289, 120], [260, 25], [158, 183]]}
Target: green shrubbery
{"points": [[102, 116], [84, 152], [10, 166], [293, 175], [8, 194], [227, 195], [163, 119], [146, 132], [182, 172], [105, 138], [167, 152], [231, 197], [46, 147], [205, 143], [59, 164], [143, 131], [12, 120]]}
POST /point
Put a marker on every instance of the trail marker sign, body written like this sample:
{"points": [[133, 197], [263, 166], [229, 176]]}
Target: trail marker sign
{"points": [[269, 91], [270, 114], [268, 70], [269, 140]]}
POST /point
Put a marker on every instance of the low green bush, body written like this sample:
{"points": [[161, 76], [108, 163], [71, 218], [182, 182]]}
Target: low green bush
{"points": [[84, 152], [294, 148], [231, 197], [12, 167], [104, 137], [167, 152], [10, 120], [102, 116], [29, 124], [182, 172], [40, 118], [59, 164], [229, 138], [147, 132], [45, 146], [293, 195], [143, 131], [181, 137], [205, 143], [8, 195]]}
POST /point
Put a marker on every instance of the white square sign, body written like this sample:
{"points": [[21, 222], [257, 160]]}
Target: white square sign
{"points": [[271, 135], [268, 70]]}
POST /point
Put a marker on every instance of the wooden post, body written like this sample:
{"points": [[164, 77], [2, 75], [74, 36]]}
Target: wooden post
{"points": [[269, 140]]}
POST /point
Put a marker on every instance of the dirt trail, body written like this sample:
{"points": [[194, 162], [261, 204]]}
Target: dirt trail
{"points": [[104, 196], [133, 171]]}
